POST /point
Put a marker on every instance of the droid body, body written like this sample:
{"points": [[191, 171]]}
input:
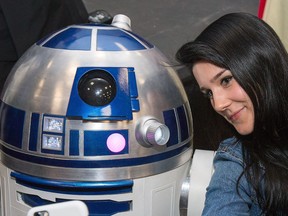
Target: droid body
{"points": [[94, 113]]}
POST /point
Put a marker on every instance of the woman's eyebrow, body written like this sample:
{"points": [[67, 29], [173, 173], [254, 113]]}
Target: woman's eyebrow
{"points": [[217, 75], [214, 79]]}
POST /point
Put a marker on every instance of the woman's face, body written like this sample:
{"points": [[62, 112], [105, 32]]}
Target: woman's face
{"points": [[226, 95]]}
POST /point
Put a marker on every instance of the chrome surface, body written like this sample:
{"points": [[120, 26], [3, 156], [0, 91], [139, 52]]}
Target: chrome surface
{"points": [[97, 174], [41, 82]]}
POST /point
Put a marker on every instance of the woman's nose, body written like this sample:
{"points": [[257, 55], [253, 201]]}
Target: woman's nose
{"points": [[220, 101]]}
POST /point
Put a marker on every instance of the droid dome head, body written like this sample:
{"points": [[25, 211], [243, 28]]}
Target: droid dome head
{"points": [[96, 102]]}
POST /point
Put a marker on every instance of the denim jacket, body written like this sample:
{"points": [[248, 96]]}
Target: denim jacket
{"points": [[222, 198]]}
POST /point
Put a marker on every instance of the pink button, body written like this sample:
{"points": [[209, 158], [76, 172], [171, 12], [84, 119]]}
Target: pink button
{"points": [[116, 142]]}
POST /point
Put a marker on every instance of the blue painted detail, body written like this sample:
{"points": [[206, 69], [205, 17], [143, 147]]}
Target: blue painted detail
{"points": [[109, 163], [183, 123], [34, 131], [33, 200], [11, 124], [107, 207], [133, 91], [95, 207], [116, 40], [149, 45], [39, 42], [71, 39], [95, 142], [135, 105], [132, 83], [171, 122], [74, 142], [78, 108], [76, 188]]}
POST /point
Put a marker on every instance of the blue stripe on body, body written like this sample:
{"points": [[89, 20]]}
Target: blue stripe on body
{"points": [[11, 125], [109, 163]]}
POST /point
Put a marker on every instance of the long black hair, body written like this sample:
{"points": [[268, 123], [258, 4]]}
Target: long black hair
{"points": [[252, 51]]}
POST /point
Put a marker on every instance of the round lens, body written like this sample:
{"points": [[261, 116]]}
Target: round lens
{"points": [[158, 135], [97, 88]]}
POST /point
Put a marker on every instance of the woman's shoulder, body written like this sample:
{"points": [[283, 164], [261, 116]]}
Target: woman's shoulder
{"points": [[231, 149], [229, 192]]}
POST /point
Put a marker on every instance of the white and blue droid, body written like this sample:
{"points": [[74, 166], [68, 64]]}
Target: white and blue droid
{"points": [[94, 113]]}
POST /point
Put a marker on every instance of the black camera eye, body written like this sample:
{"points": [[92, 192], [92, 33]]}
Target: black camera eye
{"points": [[97, 88]]}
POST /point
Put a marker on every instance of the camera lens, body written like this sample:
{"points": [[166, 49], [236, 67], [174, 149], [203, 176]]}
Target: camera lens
{"points": [[97, 88]]}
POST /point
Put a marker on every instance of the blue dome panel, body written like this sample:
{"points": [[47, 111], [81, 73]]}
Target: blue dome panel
{"points": [[71, 39], [116, 40]]}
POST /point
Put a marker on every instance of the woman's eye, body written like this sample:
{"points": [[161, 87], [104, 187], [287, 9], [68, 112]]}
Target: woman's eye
{"points": [[208, 94], [226, 80]]}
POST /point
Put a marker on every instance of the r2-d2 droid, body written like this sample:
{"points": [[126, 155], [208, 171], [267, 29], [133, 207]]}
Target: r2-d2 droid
{"points": [[95, 114]]}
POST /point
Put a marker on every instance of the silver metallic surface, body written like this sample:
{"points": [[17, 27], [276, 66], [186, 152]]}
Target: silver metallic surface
{"points": [[97, 174], [184, 197], [41, 82], [122, 21], [157, 133], [146, 129]]}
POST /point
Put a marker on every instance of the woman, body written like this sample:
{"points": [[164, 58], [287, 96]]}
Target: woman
{"points": [[241, 66]]}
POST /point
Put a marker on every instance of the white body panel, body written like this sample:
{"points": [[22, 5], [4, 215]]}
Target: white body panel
{"points": [[156, 195]]}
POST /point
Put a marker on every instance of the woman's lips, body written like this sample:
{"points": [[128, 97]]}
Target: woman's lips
{"points": [[235, 116]]}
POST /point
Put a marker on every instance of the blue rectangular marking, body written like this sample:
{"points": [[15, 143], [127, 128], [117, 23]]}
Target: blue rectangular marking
{"points": [[116, 37], [34, 131], [95, 142], [74, 142], [11, 125], [183, 123], [171, 123], [135, 105], [132, 84], [107, 207], [71, 39], [71, 187]]}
